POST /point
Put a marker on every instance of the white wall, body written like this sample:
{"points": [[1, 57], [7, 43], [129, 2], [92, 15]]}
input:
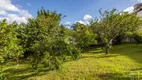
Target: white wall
{"points": [[139, 14]]}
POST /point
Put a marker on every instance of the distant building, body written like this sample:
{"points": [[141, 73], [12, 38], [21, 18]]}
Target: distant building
{"points": [[138, 9]]}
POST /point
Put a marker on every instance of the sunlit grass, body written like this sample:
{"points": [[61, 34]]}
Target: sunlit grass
{"points": [[93, 65]]}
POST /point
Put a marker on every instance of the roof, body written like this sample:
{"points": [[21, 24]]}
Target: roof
{"points": [[137, 6]]}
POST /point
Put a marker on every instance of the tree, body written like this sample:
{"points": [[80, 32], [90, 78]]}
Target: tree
{"points": [[112, 23], [96, 29], [83, 35], [4, 32], [34, 41], [138, 37], [10, 47], [15, 49], [45, 41]]}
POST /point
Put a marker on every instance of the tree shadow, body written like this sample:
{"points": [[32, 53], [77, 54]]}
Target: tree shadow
{"points": [[138, 69], [113, 76], [86, 50], [23, 73], [97, 52], [100, 56], [132, 51]]}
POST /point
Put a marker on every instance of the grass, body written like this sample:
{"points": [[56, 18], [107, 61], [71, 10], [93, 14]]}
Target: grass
{"points": [[122, 62]]}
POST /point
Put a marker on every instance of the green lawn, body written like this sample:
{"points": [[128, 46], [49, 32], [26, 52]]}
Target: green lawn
{"points": [[122, 62]]}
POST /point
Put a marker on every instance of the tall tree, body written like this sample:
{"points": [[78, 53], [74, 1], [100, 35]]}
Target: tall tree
{"points": [[46, 41], [83, 35], [112, 23], [96, 29]]}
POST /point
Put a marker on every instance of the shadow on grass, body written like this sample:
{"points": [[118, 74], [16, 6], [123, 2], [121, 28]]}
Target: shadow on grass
{"points": [[90, 49], [138, 69], [23, 73], [97, 52], [100, 56], [113, 76], [131, 50]]}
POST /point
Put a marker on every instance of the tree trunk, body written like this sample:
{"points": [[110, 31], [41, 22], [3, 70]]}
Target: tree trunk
{"points": [[102, 45], [137, 44], [107, 48], [88, 48], [35, 63], [17, 61]]}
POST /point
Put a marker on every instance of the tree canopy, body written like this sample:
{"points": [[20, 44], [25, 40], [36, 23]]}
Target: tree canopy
{"points": [[112, 23]]}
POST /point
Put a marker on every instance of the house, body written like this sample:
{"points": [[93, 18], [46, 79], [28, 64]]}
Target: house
{"points": [[138, 9]]}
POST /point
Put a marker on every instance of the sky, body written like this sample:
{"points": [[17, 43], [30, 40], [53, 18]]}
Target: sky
{"points": [[75, 10]]}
